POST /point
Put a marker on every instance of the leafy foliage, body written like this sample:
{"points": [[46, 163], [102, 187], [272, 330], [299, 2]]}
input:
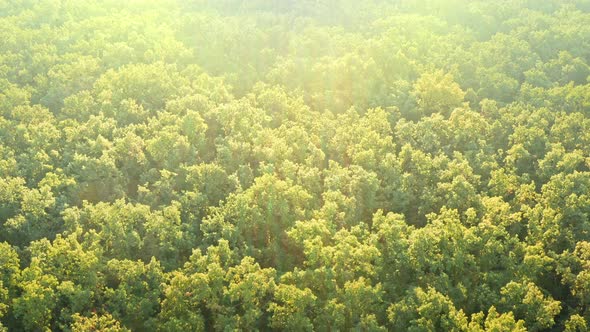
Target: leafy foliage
{"points": [[419, 165]]}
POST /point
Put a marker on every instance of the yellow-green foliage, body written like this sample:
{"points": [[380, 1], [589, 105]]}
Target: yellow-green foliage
{"points": [[329, 165]]}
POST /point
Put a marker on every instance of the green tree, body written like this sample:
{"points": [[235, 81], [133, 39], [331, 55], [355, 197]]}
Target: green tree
{"points": [[437, 92], [102, 323]]}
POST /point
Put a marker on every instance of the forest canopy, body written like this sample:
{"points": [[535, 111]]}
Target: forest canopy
{"points": [[331, 165]]}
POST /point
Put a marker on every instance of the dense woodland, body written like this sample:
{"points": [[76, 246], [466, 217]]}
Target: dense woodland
{"points": [[327, 165]]}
